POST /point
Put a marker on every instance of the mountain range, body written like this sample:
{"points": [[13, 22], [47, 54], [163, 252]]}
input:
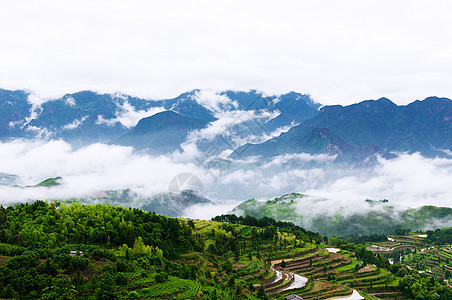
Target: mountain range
{"points": [[257, 124], [370, 127]]}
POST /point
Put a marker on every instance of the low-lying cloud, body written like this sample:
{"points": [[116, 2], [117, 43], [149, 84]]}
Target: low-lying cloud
{"points": [[407, 181], [86, 170], [128, 116]]}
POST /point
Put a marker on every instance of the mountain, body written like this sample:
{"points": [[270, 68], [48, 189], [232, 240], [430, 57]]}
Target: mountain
{"points": [[258, 124], [149, 132], [7, 179], [88, 117], [370, 127], [295, 109], [376, 217], [79, 118], [186, 105], [14, 110]]}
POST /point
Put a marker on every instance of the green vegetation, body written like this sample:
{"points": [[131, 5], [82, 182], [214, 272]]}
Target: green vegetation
{"points": [[429, 253], [168, 204], [50, 182], [377, 218], [60, 251]]}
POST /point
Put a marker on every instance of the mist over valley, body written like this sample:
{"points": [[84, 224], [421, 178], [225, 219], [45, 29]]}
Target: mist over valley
{"points": [[240, 145]]}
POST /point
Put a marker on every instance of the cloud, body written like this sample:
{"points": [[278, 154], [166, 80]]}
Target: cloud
{"points": [[214, 101], [232, 128], [128, 116], [86, 170], [75, 124], [303, 157], [208, 211], [407, 181], [70, 101], [154, 49], [35, 100], [239, 176], [447, 151], [39, 132]]}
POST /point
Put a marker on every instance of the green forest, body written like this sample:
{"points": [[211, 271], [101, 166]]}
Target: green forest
{"points": [[76, 251]]}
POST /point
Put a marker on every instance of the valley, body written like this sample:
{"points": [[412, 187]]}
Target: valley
{"points": [[110, 225]]}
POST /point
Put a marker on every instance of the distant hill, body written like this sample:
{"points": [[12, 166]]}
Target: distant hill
{"points": [[370, 127], [168, 204], [7, 179], [161, 133], [50, 182], [376, 217]]}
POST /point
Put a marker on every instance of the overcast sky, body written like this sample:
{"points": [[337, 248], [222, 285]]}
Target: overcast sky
{"points": [[338, 51]]}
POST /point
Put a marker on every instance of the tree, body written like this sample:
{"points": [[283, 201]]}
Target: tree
{"points": [[261, 293], [121, 278], [161, 277], [105, 289], [61, 289], [191, 224]]}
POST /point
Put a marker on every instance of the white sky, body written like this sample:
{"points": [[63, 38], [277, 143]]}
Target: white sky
{"points": [[338, 51]]}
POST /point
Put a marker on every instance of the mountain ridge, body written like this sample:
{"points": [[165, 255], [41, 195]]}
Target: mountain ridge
{"points": [[421, 126], [287, 123]]}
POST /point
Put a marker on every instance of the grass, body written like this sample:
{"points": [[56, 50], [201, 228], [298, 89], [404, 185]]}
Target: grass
{"points": [[347, 267]]}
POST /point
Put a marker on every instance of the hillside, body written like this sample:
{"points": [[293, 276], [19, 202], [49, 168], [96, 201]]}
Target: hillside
{"points": [[78, 251], [375, 216], [427, 253], [87, 117], [168, 204], [48, 182], [149, 132], [358, 131], [267, 125]]}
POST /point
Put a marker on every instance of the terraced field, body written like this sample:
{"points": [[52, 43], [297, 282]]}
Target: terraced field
{"points": [[330, 275], [418, 254], [433, 260]]}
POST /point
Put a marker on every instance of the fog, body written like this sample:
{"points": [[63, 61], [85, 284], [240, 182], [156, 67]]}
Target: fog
{"points": [[339, 52], [407, 181]]}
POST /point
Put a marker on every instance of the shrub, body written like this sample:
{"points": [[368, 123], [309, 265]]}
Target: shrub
{"points": [[161, 277]]}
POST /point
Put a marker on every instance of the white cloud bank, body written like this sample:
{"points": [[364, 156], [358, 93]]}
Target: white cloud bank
{"points": [[339, 52], [407, 181], [128, 116], [87, 170]]}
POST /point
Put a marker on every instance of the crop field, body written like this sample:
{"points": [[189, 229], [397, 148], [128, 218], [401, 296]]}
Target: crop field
{"points": [[333, 275]]}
